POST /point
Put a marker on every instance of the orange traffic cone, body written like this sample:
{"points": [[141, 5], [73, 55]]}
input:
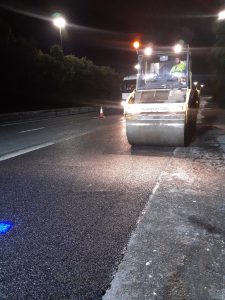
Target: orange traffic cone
{"points": [[101, 115]]}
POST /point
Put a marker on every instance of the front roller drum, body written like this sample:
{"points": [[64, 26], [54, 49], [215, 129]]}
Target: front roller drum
{"points": [[163, 131]]}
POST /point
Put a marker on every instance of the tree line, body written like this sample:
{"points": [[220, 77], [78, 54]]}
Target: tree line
{"points": [[32, 79]]}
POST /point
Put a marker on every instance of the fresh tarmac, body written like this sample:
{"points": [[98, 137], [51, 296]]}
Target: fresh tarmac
{"points": [[177, 250], [78, 203]]}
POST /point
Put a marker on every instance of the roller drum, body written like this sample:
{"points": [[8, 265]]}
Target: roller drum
{"points": [[156, 130]]}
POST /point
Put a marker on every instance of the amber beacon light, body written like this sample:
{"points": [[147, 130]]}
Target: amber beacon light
{"points": [[136, 45]]}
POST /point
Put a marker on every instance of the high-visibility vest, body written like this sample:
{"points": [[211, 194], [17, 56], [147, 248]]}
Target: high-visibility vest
{"points": [[178, 68]]}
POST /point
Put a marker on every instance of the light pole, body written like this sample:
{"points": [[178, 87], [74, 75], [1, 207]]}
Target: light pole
{"points": [[60, 22]]}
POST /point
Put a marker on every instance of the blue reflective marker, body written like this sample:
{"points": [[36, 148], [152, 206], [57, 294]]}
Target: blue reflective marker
{"points": [[5, 226]]}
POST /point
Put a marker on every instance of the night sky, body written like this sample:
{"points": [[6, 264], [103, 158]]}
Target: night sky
{"points": [[103, 30]]}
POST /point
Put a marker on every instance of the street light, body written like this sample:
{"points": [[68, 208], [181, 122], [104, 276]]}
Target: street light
{"points": [[221, 15], [60, 22]]}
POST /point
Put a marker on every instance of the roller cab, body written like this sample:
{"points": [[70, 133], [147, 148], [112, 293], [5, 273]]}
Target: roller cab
{"points": [[163, 106]]}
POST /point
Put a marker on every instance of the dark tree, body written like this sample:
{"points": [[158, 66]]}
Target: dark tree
{"points": [[32, 79]]}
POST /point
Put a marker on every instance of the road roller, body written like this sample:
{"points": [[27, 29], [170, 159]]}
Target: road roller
{"points": [[162, 110]]}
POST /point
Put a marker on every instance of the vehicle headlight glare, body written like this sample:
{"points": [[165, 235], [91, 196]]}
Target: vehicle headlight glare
{"points": [[148, 51]]}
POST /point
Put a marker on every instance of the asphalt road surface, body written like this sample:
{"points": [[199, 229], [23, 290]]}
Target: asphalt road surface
{"points": [[79, 197]]}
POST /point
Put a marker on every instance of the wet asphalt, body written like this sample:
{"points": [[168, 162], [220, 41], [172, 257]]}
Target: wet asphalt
{"points": [[177, 250], [74, 205], [93, 215]]}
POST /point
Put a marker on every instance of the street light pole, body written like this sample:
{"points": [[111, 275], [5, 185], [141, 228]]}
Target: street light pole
{"points": [[60, 23], [60, 32]]}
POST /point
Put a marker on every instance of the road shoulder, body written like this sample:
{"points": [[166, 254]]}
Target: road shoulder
{"points": [[177, 250]]}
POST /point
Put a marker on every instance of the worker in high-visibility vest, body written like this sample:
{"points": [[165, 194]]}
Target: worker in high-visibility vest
{"points": [[178, 70]]}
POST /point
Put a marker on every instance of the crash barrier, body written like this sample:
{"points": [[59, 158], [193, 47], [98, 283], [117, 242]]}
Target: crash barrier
{"points": [[41, 114]]}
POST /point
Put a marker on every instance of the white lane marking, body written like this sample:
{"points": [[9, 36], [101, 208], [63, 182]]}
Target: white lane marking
{"points": [[25, 150], [156, 187], [134, 239], [44, 119], [32, 148], [21, 122], [29, 130], [154, 190]]}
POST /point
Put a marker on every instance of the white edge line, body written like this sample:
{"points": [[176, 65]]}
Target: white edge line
{"points": [[29, 130], [23, 151], [33, 148], [141, 217], [153, 193]]}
